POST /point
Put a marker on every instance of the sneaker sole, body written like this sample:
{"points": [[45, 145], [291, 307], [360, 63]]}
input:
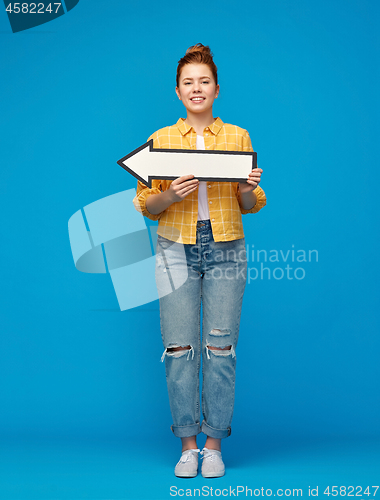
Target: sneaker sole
{"points": [[214, 474], [190, 474]]}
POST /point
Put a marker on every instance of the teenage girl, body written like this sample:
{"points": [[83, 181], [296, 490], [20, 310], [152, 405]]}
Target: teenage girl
{"points": [[204, 218]]}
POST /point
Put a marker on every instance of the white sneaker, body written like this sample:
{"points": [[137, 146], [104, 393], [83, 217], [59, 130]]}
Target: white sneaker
{"points": [[188, 464], [212, 465]]}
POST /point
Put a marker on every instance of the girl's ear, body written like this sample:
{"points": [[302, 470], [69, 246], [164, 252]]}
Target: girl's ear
{"points": [[217, 88], [177, 92]]}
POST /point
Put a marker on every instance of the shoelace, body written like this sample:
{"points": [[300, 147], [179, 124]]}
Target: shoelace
{"points": [[187, 455], [209, 455]]}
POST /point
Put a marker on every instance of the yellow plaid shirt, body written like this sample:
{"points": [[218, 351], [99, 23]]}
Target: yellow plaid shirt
{"points": [[178, 222]]}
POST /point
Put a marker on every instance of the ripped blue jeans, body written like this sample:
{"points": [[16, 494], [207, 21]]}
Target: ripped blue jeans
{"points": [[216, 276]]}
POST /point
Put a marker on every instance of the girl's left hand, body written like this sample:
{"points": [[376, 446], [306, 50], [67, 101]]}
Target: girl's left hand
{"points": [[252, 182]]}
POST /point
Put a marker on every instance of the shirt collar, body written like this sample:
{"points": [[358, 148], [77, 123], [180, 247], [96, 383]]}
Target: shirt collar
{"points": [[184, 128]]}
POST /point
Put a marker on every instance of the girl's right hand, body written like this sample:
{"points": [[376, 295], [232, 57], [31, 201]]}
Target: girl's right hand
{"points": [[182, 186]]}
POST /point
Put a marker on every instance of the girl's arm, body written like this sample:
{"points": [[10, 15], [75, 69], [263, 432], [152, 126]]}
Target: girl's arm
{"points": [[248, 196], [157, 203], [248, 200], [178, 190], [151, 202]]}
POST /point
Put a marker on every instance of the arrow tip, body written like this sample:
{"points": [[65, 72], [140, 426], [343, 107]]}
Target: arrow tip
{"points": [[137, 163]]}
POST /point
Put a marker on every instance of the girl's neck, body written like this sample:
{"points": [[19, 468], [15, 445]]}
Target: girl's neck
{"points": [[199, 122]]}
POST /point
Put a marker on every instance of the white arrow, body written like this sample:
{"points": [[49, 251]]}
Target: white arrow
{"points": [[147, 163]]}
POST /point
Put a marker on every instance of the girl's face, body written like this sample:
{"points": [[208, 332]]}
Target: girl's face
{"points": [[197, 89]]}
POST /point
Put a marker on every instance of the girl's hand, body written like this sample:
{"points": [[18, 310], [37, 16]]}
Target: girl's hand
{"points": [[182, 186], [252, 182]]}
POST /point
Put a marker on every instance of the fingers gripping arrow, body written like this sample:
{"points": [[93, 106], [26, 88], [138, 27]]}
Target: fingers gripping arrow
{"points": [[147, 163]]}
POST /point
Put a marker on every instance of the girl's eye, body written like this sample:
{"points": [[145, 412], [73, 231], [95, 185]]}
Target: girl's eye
{"points": [[206, 81]]}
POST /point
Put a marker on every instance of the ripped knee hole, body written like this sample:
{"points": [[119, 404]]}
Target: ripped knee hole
{"points": [[220, 332], [179, 348], [220, 351], [213, 348]]}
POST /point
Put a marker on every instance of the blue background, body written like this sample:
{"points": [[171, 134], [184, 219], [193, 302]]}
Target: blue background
{"points": [[83, 394]]}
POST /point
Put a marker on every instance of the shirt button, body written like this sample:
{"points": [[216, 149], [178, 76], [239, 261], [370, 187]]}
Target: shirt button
{"points": [[210, 202], [213, 220], [209, 185]]}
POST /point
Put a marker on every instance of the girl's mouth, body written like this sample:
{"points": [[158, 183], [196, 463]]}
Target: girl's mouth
{"points": [[197, 99]]}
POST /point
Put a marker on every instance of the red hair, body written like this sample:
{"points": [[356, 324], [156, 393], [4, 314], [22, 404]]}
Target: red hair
{"points": [[198, 54]]}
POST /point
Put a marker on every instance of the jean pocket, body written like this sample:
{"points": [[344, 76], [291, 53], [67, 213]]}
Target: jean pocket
{"points": [[163, 243]]}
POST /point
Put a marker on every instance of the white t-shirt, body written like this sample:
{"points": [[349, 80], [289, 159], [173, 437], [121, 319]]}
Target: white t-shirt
{"points": [[203, 211]]}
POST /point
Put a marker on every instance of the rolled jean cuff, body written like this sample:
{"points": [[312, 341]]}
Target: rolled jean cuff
{"points": [[215, 433], [183, 431]]}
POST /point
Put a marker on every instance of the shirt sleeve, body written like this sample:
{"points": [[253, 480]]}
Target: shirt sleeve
{"points": [[260, 203], [143, 192], [259, 192]]}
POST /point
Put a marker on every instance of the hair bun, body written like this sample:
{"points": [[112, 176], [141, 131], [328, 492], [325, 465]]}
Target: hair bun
{"points": [[199, 47]]}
